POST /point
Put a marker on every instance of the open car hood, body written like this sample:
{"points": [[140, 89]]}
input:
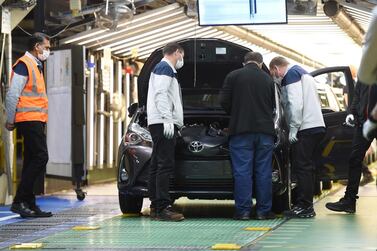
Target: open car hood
{"points": [[207, 62]]}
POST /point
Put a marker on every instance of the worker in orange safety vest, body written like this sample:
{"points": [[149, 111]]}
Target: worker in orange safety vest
{"points": [[27, 110]]}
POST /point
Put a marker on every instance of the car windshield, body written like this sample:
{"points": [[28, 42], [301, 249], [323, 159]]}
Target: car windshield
{"points": [[201, 99]]}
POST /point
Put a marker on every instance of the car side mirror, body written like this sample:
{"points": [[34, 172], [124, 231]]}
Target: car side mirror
{"points": [[132, 109]]}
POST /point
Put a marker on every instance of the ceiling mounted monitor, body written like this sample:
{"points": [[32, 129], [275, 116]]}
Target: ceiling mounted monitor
{"points": [[242, 12]]}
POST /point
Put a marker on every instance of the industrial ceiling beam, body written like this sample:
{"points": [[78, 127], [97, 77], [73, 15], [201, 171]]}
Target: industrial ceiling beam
{"points": [[18, 14], [335, 11], [258, 40]]}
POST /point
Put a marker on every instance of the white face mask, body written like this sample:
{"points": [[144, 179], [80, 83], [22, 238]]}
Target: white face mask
{"points": [[179, 64], [44, 55]]}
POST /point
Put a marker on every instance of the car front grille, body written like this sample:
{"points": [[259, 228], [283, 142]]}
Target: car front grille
{"points": [[203, 184]]}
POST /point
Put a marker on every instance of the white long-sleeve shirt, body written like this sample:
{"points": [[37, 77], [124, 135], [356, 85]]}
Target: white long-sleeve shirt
{"points": [[367, 73], [300, 100], [164, 102]]}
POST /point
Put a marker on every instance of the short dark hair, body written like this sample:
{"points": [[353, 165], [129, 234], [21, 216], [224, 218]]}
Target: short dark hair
{"points": [[37, 38], [253, 56], [170, 48], [278, 61]]}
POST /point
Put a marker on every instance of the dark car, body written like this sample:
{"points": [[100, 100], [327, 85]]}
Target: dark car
{"points": [[203, 168]]}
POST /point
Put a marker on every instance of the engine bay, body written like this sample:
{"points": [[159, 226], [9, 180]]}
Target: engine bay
{"points": [[218, 127]]}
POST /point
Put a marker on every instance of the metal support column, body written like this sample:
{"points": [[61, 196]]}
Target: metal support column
{"points": [[90, 115], [118, 130], [127, 96], [110, 121]]}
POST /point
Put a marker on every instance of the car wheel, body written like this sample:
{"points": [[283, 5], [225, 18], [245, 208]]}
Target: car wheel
{"points": [[130, 204]]}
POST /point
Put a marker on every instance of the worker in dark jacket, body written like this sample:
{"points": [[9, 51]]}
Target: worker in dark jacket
{"points": [[357, 116], [360, 145], [248, 95]]}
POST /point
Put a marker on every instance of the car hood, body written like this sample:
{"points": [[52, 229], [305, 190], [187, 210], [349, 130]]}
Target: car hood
{"points": [[207, 62]]}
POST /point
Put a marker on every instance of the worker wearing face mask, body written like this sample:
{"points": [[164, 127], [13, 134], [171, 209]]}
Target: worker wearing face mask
{"points": [[306, 128], [26, 107], [165, 116]]}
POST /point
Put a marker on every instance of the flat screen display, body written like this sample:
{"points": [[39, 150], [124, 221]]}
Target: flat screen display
{"points": [[241, 12]]}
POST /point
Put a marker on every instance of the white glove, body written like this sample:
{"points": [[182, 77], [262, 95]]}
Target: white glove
{"points": [[169, 130], [293, 135], [369, 129], [350, 120]]}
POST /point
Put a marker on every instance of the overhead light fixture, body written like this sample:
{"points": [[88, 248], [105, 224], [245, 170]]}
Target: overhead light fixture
{"points": [[97, 31]]}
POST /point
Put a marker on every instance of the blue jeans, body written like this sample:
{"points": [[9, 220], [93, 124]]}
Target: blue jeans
{"points": [[251, 156]]}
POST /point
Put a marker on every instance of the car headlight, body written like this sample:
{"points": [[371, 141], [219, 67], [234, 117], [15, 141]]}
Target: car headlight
{"points": [[137, 134]]}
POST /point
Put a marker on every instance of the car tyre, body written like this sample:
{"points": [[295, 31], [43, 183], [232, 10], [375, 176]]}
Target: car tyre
{"points": [[130, 204]]}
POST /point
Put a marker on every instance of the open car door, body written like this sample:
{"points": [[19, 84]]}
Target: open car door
{"points": [[335, 87]]}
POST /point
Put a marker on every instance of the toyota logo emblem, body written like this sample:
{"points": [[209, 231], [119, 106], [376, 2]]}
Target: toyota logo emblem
{"points": [[196, 147]]}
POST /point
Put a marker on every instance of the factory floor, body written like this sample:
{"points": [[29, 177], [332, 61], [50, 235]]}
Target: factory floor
{"points": [[208, 224]]}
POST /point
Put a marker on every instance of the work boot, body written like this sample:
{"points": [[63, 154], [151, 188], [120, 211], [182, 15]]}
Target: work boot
{"points": [[300, 212], [168, 214], [343, 205], [242, 216], [39, 212], [367, 178], [267, 216], [22, 209]]}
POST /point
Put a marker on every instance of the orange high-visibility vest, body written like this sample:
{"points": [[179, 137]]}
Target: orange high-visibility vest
{"points": [[33, 102]]}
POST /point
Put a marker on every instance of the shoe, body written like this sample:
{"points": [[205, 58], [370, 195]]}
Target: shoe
{"points": [[168, 214], [367, 178], [23, 210], [242, 216], [300, 212], [268, 216], [39, 212], [152, 212], [343, 205]]}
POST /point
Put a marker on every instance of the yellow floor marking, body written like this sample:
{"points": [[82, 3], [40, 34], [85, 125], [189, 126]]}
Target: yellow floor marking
{"points": [[27, 246], [83, 228], [226, 246], [258, 229]]}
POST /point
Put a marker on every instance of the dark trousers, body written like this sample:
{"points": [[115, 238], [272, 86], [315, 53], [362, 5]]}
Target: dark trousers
{"points": [[35, 159], [251, 156], [161, 167], [304, 167], [359, 148]]}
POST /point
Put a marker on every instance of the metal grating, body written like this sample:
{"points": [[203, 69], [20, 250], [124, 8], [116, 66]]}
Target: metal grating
{"points": [[143, 233], [33, 229]]}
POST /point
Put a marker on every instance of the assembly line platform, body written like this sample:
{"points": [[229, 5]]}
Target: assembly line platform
{"points": [[96, 224]]}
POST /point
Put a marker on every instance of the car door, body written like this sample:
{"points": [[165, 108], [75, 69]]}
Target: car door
{"points": [[334, 151]]}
